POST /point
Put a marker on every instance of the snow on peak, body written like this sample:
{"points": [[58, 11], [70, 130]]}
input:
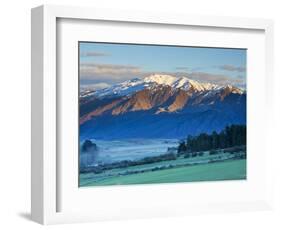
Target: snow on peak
{"points": [[179, 82], [131, 86], [234, 89], [123, 88], [161, 79]]}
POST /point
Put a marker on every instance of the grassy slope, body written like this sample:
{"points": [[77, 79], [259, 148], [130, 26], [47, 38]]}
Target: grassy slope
{"points": [[228, 170]]}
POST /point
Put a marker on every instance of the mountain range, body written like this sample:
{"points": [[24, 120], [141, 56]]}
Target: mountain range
{"points": [[159, 106]]}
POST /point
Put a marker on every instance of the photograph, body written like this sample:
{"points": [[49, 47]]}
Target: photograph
{"points": [[156, 113]]}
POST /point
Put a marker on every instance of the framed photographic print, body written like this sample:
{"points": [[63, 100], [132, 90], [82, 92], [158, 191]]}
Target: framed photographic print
{"points": [[180, 118], [138, 114]]}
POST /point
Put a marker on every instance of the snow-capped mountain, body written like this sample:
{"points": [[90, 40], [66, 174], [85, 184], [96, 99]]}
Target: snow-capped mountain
{"points": [[179, 82], [132, 86], [160, 106]]}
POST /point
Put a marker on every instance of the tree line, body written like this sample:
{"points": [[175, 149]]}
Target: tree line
{"points": [[234, 135]]}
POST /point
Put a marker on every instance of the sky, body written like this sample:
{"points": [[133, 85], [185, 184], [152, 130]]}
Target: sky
{"points": [[105, 64]]}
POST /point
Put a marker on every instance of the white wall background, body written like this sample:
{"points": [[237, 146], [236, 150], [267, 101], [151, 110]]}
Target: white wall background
{"points": [[15, 113]]}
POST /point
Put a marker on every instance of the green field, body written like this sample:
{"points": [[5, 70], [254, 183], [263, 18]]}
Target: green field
{"points": [[224, 170]]}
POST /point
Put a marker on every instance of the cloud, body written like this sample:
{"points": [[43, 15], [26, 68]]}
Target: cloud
{"points": [[94, 71], [93, 54], [182, 68], [93, 74], [96, 86], [218, 79], [232, 68]]}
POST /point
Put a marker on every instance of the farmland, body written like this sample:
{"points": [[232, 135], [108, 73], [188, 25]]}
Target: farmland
{"points": [[206, 167]]}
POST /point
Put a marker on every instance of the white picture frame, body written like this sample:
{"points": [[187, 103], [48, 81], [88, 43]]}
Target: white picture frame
{"points": [[46, 182]]}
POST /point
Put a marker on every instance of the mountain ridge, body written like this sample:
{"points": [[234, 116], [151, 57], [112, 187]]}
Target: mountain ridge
{"points": [[131, 86], [160, 102]]}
